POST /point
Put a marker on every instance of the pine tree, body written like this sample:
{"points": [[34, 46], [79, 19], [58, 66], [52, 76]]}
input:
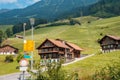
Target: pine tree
{"points": [[9, 32], [1, 36]]}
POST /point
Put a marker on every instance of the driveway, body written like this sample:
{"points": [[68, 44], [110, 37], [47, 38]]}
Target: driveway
{"points": [[78, 59]]}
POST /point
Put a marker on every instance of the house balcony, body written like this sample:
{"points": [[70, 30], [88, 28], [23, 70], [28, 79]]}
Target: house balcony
{"points": [[47, 52], [43, 47]]}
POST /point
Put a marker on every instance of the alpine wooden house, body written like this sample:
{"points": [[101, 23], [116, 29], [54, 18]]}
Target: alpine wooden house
{"points": [[56, 49], [8, 50], [109, 43]]}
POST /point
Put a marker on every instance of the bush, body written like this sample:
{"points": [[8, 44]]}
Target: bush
{"points": [[111, 72], [73, 22], [54, 72], [9, 58], [19, 57]]}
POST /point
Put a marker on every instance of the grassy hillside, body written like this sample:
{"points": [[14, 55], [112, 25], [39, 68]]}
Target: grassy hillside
{"points": [[86, 68], [85, 36]]}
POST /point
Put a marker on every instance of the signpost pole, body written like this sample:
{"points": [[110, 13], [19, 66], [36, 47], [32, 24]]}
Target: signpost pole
{"points": [[23, 67], [24, 24], [32, 21], [23, 75]]}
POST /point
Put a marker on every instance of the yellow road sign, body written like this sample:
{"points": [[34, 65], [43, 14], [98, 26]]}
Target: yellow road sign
{"points": [[29, 45]]}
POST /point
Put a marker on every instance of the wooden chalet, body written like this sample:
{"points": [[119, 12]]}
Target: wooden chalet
{"points": [[8, 50], [19, 36], [109, 43], [56, 49]]}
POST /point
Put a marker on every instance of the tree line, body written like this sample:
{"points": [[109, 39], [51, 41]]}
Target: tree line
{"points": [[103, 9], [5, 34], [19, 27]]}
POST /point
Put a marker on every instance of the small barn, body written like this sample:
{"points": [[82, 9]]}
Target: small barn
{"points": [[109, 43], [8, 50]]}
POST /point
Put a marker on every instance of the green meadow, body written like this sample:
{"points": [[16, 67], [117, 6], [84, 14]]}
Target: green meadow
{"points": [[7, 68], [4, 27], [86, 68], [85, 35]]}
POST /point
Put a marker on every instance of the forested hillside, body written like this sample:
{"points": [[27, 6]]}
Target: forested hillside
{"points": [[105, 8], [44, 9]]}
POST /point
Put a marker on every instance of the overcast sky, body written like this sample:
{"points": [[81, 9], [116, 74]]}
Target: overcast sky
{"points": [[12, 4]]}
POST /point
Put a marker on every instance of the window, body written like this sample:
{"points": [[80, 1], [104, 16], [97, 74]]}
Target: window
{"points": [[50, 49], [61, 49], [111, 46], [104, 47], [50, 55], [119, 45], [54, 55], [46, 50], [42, 50], [108, 46], [67, 50], [42, 56]]}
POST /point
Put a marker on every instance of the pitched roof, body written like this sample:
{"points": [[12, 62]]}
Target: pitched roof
{"points": [[55, 42], [58, 43], [7, 48], [110, 36], [62, 43], [74, 46], [114, 37]]}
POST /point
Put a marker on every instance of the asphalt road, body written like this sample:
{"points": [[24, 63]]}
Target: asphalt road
{"points": [[14, 76]]}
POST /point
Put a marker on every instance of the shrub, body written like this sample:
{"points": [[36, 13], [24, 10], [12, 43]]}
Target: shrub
{"points": [[73, 22], [110, 72], [19, 57], [53, 71], [9, 58]]}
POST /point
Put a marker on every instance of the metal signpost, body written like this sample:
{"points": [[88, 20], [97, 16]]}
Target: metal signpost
{"points": [[23, 66], [32, 22], [28, 47], [27, 56], [29, 44]]}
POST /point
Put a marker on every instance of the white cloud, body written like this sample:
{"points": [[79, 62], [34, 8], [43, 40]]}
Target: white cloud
{"points": [[32, 1], [19, 5], [8, 1], [36, 0]]}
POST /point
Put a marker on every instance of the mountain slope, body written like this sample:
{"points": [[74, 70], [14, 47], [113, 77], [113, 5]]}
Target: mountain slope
{"points": [[85, 36], [4, 10], [105, 8], [47, 9]]}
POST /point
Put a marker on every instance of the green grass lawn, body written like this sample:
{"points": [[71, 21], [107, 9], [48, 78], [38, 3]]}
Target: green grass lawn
{"points": [[87, 67], [6, 68]]}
